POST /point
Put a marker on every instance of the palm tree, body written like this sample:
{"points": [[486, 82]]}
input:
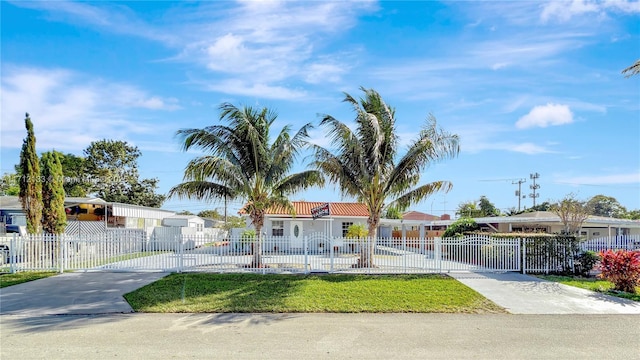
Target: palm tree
{"points": [[365, 162], [243, 163], [632, 70]]}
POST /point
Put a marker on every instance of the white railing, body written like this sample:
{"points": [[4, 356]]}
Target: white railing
{"points": [[134, 250], [624, 242]]}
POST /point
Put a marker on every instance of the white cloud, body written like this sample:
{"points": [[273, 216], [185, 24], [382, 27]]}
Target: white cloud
{"points": [[546, 115], [261, 90], [69, 110], [273, 43], [565, 10], [612, 179]]}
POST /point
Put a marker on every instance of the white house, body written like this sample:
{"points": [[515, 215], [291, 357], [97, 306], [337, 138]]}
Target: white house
{"points": [[190, 221], [335, 222]]}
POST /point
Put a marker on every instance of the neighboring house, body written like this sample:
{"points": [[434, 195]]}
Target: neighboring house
{"points": [[89, 210], [190, 221], [279, 222], [549, 222], [135, 217]]}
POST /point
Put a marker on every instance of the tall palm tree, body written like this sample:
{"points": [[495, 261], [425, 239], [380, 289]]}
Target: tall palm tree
{"points": [[632, 70], [242, 162], [365, 162]]}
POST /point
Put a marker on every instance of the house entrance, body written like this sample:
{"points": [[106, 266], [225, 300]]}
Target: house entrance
{"points": [[297, 239]]}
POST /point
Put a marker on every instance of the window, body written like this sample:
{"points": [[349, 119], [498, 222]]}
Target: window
{"points": [[277, 228], [345, 228]]}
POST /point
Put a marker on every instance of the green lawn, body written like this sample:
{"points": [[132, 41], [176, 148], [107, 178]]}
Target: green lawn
{"points": [[598, 285], [21, 277], [203, 293]]}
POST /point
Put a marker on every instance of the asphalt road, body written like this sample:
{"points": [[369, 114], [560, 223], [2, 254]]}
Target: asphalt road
{"points": [[320, 336]]}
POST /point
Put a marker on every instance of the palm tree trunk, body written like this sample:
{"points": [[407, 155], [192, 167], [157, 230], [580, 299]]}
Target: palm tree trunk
{"points": [[256, 249], [368, 250]]}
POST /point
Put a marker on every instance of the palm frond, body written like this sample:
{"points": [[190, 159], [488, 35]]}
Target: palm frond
{"points": [[201, 190], [420, 193]]}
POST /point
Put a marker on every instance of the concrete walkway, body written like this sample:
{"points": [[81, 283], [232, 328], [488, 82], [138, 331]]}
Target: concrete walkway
{"points": [[523, 294], [74, 293]]}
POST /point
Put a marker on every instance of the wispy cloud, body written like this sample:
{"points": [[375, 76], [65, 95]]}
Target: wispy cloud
{"points": [[69, 109], [478, 137], [598, 179], [563, 11], [546, 115], [270, 43]]}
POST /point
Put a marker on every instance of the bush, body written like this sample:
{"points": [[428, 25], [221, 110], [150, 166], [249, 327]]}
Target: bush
{"points": [[248, 235], [357, 231], [585, 261], [622, 268], [461, 226]]}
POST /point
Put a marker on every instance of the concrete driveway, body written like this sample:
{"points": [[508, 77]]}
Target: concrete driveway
{"points": [[524, 294], [74, 293]]}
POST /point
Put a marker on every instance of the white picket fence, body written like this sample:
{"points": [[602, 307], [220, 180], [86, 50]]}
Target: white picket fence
{"points": [[135, 251]]}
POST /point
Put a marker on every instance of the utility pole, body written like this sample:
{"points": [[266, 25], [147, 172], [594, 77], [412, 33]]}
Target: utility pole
{"points": [[534, 187], [519, 191]]}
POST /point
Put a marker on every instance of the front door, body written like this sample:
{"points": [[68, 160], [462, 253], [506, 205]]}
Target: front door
{"points": [[296, 235]]}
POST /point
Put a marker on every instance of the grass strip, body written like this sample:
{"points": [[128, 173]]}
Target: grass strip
{"points": [[598, 285], [336, 293], [22, 277]]}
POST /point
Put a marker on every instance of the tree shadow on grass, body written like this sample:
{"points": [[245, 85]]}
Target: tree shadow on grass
{"points": [[218, 293]]}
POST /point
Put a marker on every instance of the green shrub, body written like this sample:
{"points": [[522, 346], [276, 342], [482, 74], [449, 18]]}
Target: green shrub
{"points": [[461, 226], [357, 231], [584, 262], [248, 235]]}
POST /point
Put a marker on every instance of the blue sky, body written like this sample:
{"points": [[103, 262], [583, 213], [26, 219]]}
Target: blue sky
{"points": [[528, 86]]}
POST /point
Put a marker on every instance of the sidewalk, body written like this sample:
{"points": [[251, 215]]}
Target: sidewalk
{"points": [[524, 294]]}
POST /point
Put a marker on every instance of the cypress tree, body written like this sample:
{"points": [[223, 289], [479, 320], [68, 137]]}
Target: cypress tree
{"points": [[54, 218], [30, 181]]}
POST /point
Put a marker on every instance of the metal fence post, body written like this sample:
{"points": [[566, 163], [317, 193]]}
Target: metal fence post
{"points": [[437, 253], [306, 254], [331, 255], [59, 237], [404, 253], [523, 242], [12, 255], [180, 253]]}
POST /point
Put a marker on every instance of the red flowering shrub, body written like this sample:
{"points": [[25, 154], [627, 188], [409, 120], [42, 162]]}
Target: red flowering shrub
{"points": [[622, 268]]}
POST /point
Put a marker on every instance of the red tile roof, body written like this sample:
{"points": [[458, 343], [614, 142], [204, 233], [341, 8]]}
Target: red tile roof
{"points": [[303, 209], [416, 215]]}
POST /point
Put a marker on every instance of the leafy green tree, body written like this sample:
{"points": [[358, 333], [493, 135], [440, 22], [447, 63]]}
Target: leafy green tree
{"points": [[30, 180], [75, 180], [357, 231], [461, 226], [487, 207], [244, 163], [469, 209], [572, 213], [365, 162], [632, 70], [9, 184], [601, 205], [113, 166], [633, 214], [235, 222], [393, 213], [482, 208], [185, 212], [54, 218], [210, 214]]}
